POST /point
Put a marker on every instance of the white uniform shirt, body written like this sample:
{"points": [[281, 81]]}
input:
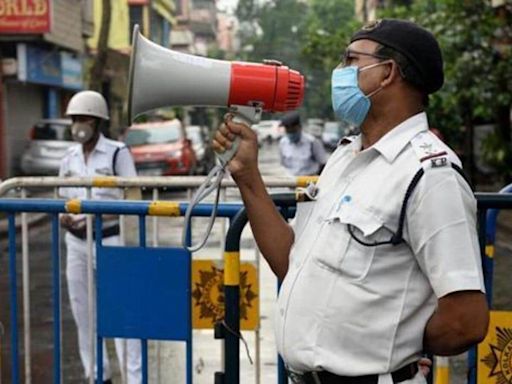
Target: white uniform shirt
{"points": [[99, 163], [356, 310], [303, 158]]}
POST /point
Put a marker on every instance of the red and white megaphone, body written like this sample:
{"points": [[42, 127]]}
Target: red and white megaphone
{"points": [[162, 77]]}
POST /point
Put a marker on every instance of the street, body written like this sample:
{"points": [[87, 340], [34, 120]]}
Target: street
{"points": [[207, 352]]}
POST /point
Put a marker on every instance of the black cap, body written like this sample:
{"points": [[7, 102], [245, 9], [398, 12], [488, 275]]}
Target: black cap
{"points": [[291, 119], [417, 44]]}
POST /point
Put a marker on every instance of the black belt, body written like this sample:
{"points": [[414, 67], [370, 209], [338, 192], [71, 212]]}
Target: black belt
{"points": [[323, 377], [105, 232]]}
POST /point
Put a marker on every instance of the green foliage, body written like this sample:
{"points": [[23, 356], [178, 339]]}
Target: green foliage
{"points": [[302, 35], [497, 153], [478, 76]]}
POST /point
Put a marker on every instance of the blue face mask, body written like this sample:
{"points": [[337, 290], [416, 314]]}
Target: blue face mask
{"points": [[294, 137], [349, 103]]}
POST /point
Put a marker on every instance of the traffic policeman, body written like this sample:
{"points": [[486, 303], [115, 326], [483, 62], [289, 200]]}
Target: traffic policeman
{"points": [[382, 263], [301, 153], [94, 155]]}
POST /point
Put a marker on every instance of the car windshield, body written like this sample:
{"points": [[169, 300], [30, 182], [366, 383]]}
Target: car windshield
{"points": [[52, 131], [157, 135]]}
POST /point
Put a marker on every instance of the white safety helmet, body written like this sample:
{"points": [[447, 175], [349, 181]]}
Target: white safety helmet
{"points": [[88, 103]]}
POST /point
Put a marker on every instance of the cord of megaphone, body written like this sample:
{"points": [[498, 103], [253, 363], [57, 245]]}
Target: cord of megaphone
{"points": [[213, 181]]}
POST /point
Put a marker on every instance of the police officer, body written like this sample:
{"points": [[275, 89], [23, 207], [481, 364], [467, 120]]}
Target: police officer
{"points": [[382, 264], [301, 153], [94, 155]]}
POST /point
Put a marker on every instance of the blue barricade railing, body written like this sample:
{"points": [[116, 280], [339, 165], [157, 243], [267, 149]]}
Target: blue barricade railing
{"points": [[114, 324], [488, 204]]}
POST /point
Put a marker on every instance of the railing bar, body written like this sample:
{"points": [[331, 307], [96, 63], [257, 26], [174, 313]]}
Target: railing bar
{"points": [[98, 224], [158, 344], [142, 230], [90, 291], [56, 300], [26, 292], [144, 350], [13, 298]]}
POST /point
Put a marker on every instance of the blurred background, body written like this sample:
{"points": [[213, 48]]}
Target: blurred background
{"points": [[51, 49]]}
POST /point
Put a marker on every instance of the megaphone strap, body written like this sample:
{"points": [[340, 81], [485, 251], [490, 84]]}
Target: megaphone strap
{"points": [[213, 181]]}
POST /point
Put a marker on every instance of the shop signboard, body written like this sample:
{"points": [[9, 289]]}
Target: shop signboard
{"points": [[49, 67], [25, 16]]}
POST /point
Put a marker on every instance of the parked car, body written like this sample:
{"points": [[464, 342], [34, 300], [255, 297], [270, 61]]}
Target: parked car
{"points": [[202, 147], [268, 130], [332, 133], [314, 126], [48, 143], [161, 148]]}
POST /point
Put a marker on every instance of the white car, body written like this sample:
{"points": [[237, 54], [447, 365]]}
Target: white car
{"points": [[268, 130], [49, 141]]}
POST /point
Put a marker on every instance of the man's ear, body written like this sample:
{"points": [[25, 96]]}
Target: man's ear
{"points": [[393, 72]]}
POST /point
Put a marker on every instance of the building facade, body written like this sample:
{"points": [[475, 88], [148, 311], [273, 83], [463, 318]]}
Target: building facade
{"points": [[42, 45]]}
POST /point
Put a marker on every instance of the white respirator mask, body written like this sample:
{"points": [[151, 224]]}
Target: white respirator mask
{"points": [[82, 132]]}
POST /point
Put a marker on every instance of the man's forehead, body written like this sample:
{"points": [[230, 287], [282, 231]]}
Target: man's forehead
{"points": [[363, 45]]}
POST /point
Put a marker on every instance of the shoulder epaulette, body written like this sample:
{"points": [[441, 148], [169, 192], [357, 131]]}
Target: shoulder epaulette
{"points": [[430, 154]]}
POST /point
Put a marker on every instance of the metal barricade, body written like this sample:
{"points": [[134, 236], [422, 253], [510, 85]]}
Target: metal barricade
{"points": [[487, 203], [23, 184], [108, 258]]}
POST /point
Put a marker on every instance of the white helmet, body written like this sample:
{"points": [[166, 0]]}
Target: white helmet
{"points": [[88, 103]]}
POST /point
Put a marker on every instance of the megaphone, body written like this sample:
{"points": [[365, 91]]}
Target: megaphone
{"points": [[161, 77]]}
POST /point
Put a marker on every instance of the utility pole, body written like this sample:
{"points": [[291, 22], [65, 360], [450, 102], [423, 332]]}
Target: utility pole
{"points": [[98, 67]]}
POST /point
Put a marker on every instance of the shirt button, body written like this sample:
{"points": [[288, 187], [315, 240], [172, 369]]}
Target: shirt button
{"points": [[319, 219], [281, 312]]}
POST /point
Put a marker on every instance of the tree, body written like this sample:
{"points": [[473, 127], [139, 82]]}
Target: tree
{"points": [[478, 76], [302, 35], [330, 24]]}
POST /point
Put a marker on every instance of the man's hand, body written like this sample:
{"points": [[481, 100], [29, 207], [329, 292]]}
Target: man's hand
{"points": [[246, 159], [424, 365], [68, 221]]}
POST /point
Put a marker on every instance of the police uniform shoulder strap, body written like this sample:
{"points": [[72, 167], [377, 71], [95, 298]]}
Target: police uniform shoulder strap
{"points": [[430, 156], [114, 159]]}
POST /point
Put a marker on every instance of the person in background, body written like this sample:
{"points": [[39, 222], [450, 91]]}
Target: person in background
{"points": [[301, 153], [94, 155]]}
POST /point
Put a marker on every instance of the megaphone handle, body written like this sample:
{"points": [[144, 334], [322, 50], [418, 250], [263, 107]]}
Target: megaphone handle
{"points": [[245, 115]]}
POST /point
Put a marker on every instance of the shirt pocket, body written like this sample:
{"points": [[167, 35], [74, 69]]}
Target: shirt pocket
{"points": [[337, 250]]}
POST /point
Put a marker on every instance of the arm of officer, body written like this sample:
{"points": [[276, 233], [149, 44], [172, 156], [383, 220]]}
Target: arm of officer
{"points": [[272, 233], [443, 237], [460, 320]]}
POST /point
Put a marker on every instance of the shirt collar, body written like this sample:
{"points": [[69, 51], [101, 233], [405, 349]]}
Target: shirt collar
{"points": [[392, 143], [101, 145]]}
